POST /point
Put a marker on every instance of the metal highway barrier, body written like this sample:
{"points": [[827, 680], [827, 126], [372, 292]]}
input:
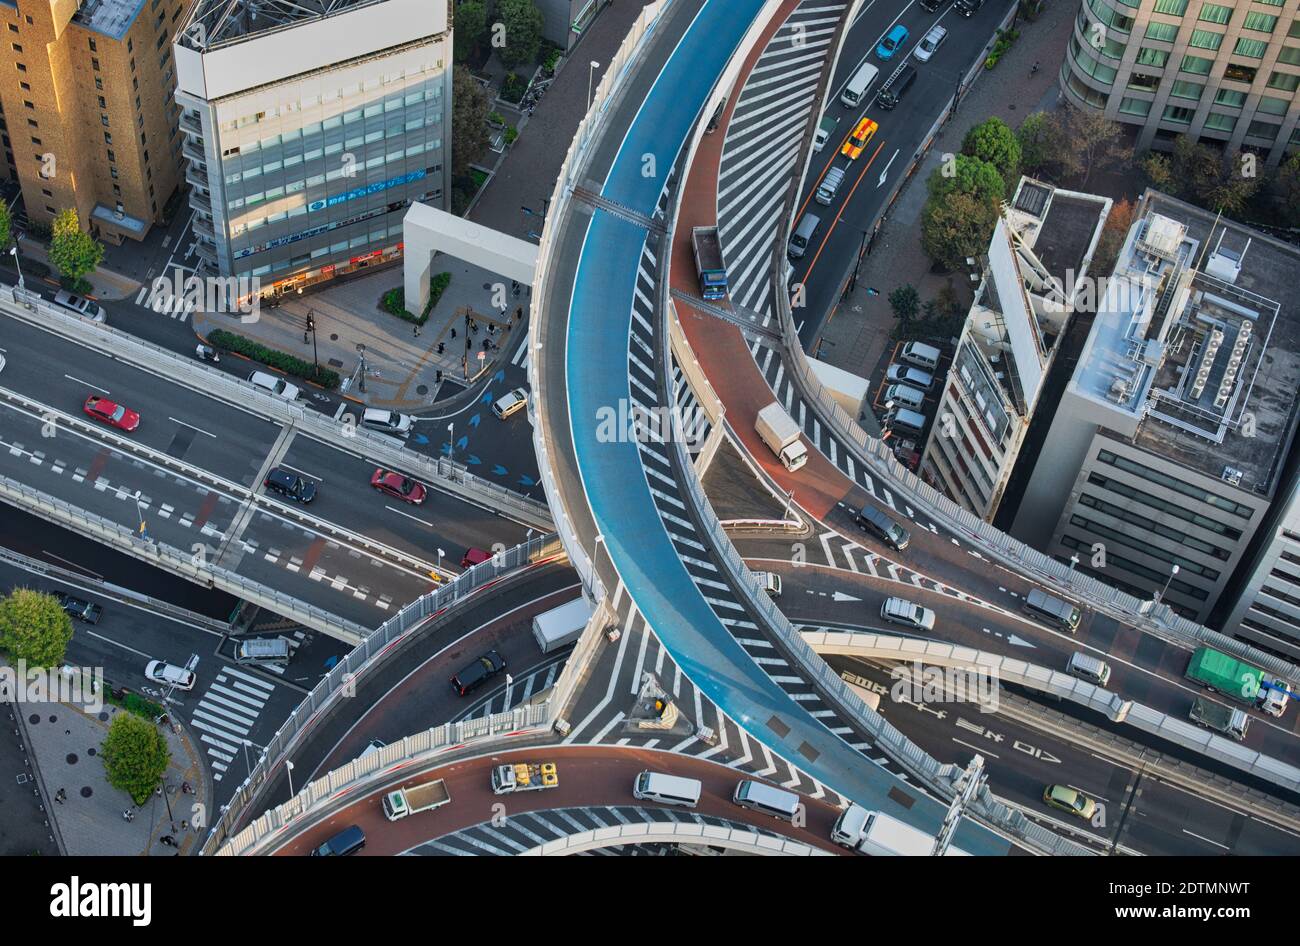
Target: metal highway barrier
{"points": [[341, 682], [741, 840], [438, 472], [196, 568], [1012, 670]]}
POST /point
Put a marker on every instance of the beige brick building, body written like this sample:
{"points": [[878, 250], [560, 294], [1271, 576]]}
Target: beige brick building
{"points": [[89, 121]]}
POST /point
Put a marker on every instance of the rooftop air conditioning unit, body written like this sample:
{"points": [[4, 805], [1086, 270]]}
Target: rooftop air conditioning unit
{"points": [[1232, 475]]}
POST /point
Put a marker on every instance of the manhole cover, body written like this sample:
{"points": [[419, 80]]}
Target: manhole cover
{"points": [[90, 752], [72, 758], [335, 363], [421, 389], [86, 791], [34, 718], [103, 716], [334, 336]]}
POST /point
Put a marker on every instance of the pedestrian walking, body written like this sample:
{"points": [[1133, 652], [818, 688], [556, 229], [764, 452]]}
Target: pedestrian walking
{"points": [[519, 313], [185, 825], [128, 815], [1034, 68], [417, 329], [60, 795], [187, 788], [441, 347], [168, 840], [453, 333]]}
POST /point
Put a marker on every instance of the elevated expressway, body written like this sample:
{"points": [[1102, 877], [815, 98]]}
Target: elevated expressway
{"points": [[184, 491]]}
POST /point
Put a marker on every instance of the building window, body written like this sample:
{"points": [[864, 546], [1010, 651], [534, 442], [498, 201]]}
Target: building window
{"points": [[108, 139], [29, 104], [113, 173], [33, 123], [49, 194], [1259, 22], [103, 120], [1251, 48], [1152, 57], [21, 67], [1197, 65], [1187, 90], [16, 47], [94, 64], [1239, 73], [36, 141], [130, 45], [1132, 106], [111, 156], [1283, 82], [1205, 39], [1265, 130], [99, 83], [1171, 7], [1178, 114], [12, 28], [1220, 122], [1230, 97], [1213, 13], [1271, 106], [1144, 83], [1290, 55]]}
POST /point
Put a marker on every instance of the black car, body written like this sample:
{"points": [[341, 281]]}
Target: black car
{"points": [[81, 610], [932, 6], [876, 523], [290, 485], [968, 8], [472, 677]]}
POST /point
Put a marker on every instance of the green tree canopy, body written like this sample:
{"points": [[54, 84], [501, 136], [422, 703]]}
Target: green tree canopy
{"points": [[968, 175], [135, 756], [34, 627], [73, 251], [993, 141], [957, 226], [523, 32], [468, 121], [6, 225], [470, 25], [1286, 188], [905, 301], [1036, 137]]}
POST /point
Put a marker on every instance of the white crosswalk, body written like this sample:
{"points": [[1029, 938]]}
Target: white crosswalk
{"points": [[178, 307], [226, 714]]}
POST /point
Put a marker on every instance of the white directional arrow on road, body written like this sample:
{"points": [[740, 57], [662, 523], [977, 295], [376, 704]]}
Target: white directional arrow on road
{"points": [[841, 596], [885, 172], [1020, 642]]}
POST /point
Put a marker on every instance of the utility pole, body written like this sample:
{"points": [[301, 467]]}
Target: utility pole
{"points": [[311, 327]]}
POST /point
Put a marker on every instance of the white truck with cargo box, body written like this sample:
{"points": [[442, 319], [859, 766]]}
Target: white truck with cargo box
{"points": [[524, 777], [781, 434], [417, 798], [1225, 719], [557, 627], [881, 835], [262, 650]]}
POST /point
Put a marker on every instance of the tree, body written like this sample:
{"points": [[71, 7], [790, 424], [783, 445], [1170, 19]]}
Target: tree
{"points": [[468, 121], [906, 302], [1088, 141], [994, 141], [969, 176], [523, 32], [956, 227], [1286, 189], [471, 24], [73, 251], [1113, 233], [135, 756], [1159, 172], [1223, 185], [1037, 139], [6, 225], [34, 627]]}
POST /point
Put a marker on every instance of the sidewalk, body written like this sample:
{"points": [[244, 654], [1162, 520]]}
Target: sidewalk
{"points": [[856, 336], [106, 283], [65, 741]]}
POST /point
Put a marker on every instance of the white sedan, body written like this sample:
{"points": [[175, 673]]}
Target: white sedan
{"points": [[169, 675], [273, 385]]}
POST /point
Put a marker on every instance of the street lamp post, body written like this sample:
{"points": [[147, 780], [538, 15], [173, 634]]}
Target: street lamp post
{"points": [[315, 354], [288, 770], [1172, 572], [451, 441], [139, 511], [361, 350], [591, 73], [13, 251]]}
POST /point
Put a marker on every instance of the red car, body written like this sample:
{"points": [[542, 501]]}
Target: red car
{"points": [[398, 486], [115, 415]]}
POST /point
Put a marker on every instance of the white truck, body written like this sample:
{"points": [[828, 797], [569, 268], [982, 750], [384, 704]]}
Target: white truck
{"points": [[524, 777], [417, 798], [563, 625], [1225, 719], [781, 434], [880, 835]]}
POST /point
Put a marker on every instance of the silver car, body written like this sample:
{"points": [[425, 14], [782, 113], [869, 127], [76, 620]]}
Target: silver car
{"points": [[273, 385], [929, 44], [87, 308], [512, 403]]}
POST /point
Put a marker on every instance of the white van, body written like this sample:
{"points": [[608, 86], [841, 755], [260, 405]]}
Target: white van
{"points": [[858, 84], [262, 650], [829, 185], [905, 395], [850, 825], [667, 789], [1090, 668], [921, 355], [1063, 614], [901, 418], [770, 801]]}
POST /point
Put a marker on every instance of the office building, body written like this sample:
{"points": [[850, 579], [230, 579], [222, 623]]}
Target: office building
{"points": [[1171, 442], [1037, 263], [1224, 73], [89, 119], [310, 127]]}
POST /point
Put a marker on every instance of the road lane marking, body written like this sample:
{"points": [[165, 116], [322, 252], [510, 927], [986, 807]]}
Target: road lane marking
{"points": [[1201, 837], [979, 749], [192, 427], [86, 383]]}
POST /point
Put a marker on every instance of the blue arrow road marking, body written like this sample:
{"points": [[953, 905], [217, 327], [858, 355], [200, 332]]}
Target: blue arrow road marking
{"points": [[462, 443], [487, 397], [421, 440], [473, 460], [476, 420], [499, 470], [527, 481], [500, 375]]}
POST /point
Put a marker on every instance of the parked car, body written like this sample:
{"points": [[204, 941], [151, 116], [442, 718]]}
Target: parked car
{"points": [[510, 404], [83, 611], [477, 672], [932, 6], [169, 675], [858, 138], [968, 8], [929, 43], [825, 129], [273, 385], [387, 422], [903, 374], [111, 413], [1071, 800], [290, 485], [398, 486], [893, 41], [87, 308], [474, 557]]}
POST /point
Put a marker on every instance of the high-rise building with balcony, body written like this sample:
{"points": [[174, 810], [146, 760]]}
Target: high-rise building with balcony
{"points": [[1037, 262], [1225, 73], [89, 118], [310, 126]]}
